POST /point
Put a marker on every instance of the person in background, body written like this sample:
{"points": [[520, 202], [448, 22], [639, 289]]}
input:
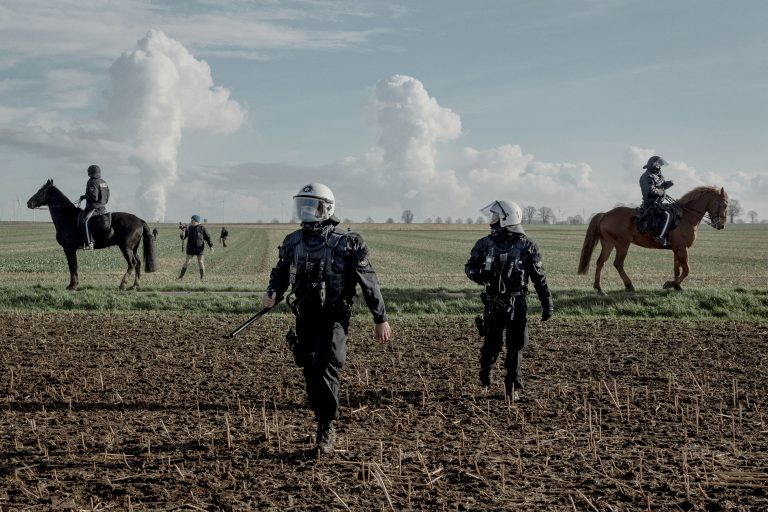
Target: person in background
{"points": [[196, 236]]}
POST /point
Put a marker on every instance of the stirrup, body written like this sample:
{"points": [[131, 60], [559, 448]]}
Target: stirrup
{"points": [[661, 241]]}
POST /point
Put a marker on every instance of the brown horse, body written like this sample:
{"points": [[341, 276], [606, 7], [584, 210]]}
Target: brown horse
{"points": [[126, 233], [616, 229]]}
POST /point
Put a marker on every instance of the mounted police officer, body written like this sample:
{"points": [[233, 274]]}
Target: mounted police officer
{"points": [[323, 267], [653, 187], [196, 236], [504, 262], [96, 198]]}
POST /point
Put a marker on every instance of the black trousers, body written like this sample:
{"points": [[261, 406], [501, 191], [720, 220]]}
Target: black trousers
{"points": [[514, 320], [322, 346]]}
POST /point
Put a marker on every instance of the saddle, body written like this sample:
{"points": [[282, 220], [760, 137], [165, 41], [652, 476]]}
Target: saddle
{"points": [[100, 224], [651, 218]]}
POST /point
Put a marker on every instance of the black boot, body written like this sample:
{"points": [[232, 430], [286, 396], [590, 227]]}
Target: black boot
{"points": [[202, 274], [183, 271], [326, 435]]}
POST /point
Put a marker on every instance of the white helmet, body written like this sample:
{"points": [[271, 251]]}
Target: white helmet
{"points": [[506, 212], [314, 203]]}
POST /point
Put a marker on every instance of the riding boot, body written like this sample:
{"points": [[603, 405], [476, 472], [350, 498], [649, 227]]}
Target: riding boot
{"points": [[202, 274], [183, 271]]}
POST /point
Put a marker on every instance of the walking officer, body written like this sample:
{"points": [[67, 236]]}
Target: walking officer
{"points": [[503, 262], [322, 267]]}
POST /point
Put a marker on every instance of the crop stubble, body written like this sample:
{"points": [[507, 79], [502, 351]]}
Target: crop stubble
{"points": [[155, 412]]}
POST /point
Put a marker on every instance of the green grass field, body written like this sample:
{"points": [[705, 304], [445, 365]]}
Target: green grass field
{"points": [[421, 269]]}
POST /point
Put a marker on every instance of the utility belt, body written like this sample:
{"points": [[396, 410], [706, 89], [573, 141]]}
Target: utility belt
{"points": [[314, 301], [496, 304]]}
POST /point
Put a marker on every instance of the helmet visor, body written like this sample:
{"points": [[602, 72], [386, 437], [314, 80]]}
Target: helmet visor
{"points": [[494, 211], [310, 209]]}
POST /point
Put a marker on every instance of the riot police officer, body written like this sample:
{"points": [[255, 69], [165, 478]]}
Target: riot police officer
{"points": [[654, 186], [503, 262], [96, 198], [322, 267], [196, 236]]}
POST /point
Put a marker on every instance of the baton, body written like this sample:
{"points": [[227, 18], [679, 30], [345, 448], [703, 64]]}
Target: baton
{"points": [[248, 322]]}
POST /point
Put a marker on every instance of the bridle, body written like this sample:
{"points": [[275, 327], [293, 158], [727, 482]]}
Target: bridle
{"points": [[49, 206], [706, 218]]}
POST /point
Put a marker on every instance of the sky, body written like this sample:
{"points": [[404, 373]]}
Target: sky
{"points": [[226, 108]]}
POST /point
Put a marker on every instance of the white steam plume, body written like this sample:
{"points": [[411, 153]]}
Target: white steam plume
{"points": [[158, 90]]}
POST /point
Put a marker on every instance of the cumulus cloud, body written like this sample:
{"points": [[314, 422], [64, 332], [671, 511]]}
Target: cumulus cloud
{"points": [[158, 90]]}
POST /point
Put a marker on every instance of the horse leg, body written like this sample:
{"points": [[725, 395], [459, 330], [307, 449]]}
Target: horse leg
{"points": [[618, 263], [137, 270], [605, 251], [681, 269], [128, 255], [72, 262]]}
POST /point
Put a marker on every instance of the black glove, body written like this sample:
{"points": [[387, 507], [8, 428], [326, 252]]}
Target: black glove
{"points": [[547, 308], [668, 184]]}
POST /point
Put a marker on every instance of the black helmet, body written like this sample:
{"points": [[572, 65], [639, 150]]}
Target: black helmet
{"points": [[94, 171], [655, 163]]}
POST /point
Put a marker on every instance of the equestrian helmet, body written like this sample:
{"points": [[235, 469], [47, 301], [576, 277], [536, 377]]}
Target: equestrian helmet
{"points": [[655, 163], [94, 171]]}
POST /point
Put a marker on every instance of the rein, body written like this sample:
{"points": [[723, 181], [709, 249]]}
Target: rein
{"points": [[705, 217]]}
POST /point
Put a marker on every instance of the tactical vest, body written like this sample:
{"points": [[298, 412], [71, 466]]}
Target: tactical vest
{"points": [[505, 265], [314, 279]]}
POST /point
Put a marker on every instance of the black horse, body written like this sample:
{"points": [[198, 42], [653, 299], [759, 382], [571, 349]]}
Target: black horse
{"points": [[126, 232]]}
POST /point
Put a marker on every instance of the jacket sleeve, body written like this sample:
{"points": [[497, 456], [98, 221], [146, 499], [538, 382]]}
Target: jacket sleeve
{"points": [[474, 266], [207, 237], [366, 277], [280, 274], [535, 269], [649, 188], [91, 191]]}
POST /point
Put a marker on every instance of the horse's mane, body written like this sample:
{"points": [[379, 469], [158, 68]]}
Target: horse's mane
{"points": [[698, 192]]}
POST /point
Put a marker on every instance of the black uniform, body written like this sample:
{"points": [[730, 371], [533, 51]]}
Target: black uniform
{"points": [[653, 186], [96, 198], [197, 236], [504, 262], [323, 270], [223, 236]]}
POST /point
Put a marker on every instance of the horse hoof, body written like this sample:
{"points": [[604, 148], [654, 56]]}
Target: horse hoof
{"points": [[601, 293], [668, 285], [630, 289]]}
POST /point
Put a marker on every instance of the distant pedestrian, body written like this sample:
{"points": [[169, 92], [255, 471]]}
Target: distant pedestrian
{"points": [[223, 236], [503, 262], [196, 236], [154, 233]]}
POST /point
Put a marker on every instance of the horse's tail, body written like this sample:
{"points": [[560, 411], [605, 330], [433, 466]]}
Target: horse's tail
{"points": [[149, 249], [590, 241]]}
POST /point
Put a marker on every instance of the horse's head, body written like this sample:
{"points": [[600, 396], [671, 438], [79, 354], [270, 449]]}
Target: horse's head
{"points": [[42, 197], [717, 209]]}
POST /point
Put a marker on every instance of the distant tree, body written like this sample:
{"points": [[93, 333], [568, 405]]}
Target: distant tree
{"points": [[480, 220], [294, 220], [448, 220], [576, 219], [438, 220], [752, 214], [259, 221], [459, 220], [547, 215], [428, 220], [275, 221], [347, 220], [407, 216], [390, 220], [734, 209], [469, 220], [369, 220], [528, 213]]}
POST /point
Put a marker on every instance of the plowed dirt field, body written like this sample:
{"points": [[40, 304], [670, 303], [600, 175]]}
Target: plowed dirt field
{"points": [[159, 412]]}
